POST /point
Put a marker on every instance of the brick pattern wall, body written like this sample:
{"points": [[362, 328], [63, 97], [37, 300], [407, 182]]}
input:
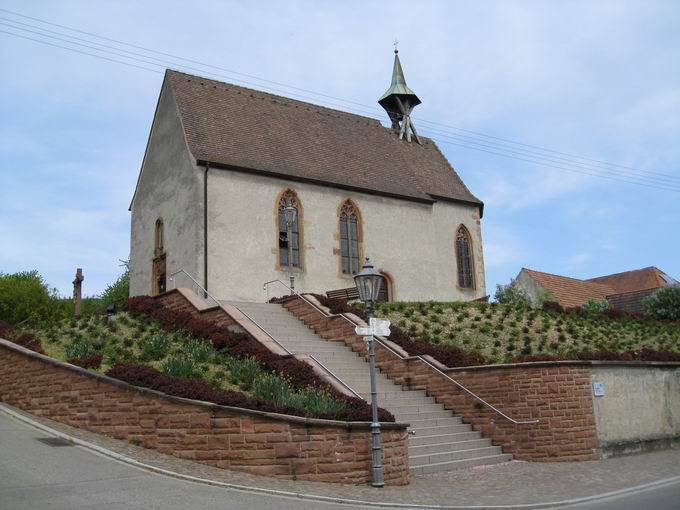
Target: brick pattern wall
{"points": [[176, 301], [230, 438], [630, 301], [559, 395]]}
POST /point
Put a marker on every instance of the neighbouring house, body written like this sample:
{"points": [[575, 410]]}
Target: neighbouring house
{"points": [[624, 291], [223, 162]]}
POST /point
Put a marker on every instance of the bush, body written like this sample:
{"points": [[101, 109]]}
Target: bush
{"points": [[512, 295], [198, 350], [119, 291], [180, 367], [552, 306], [79, 349], [154, 347], [596, 306], [242, 372], [664, 304], [274, 388], [29, 341], [25, 295], [91, 361]]}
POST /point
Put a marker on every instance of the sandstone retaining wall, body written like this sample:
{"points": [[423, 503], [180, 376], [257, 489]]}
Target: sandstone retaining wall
{"points": [[225, 437]]}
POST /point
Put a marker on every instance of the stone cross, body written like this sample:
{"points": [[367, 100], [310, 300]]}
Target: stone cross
{"points": [[78, 291]]}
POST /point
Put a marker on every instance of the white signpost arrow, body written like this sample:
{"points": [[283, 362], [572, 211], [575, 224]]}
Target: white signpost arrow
{"points": [[377, 327]]}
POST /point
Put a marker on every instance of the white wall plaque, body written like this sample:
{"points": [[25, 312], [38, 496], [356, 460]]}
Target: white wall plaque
{"points": [[598, 389]]}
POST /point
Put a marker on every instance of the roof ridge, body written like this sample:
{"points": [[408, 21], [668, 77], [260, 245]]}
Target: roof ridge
{"points": [[627, 272], [282, 99]]}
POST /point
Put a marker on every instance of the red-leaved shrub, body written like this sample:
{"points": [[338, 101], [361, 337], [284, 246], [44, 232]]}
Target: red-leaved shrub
{"points": [[91, 361], [5, 330], [528, 358], [240, 345], [29, 341], [603, 355], [646, 354], [553, 306], [197, 389]]}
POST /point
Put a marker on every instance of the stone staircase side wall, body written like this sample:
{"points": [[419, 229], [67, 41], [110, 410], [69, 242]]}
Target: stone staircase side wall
{"points": [[240, 439], [559, 395]]}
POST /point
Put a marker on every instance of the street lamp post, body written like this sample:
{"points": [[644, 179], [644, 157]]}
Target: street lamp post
{"points": [[368, 283], [290, 214]]}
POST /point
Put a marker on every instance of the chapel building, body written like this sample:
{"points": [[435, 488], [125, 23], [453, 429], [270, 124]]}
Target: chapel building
{"points": [[223, 162]]}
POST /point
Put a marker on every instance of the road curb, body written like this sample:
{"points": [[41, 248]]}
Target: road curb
{"points": [[7, 409]]}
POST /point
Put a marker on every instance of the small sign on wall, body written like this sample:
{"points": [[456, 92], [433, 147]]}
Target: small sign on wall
{"points": [[598, 389]]}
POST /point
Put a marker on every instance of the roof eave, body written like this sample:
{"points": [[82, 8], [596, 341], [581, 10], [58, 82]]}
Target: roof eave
{"points": [[425, 199]]}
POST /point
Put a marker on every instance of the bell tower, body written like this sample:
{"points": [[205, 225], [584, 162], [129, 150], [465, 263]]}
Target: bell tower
{"points": [[399, 101]]}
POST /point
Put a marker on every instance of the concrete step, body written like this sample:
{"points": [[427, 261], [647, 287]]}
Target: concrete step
{"points": [[400, 394], [424, 415], [448, 456], [419, 440], [414, 450], [417, 409], [442, 441], [439, 429], [458, 464]]}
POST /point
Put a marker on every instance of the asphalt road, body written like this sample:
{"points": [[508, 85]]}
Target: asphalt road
{"points": [[35, 475]]}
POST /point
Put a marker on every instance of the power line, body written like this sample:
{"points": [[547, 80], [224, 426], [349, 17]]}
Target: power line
{"points": [[544, 157], [598, 166], [370, 107]]}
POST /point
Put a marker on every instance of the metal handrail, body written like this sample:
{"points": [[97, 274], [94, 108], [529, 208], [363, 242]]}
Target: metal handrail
{"points": [[416, 357], [336, 377], [172, 279], [343, 383]]}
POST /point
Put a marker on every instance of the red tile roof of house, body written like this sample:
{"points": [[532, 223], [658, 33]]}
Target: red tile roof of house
{"points": [[250, 130], [633, 281], [570, 292]]}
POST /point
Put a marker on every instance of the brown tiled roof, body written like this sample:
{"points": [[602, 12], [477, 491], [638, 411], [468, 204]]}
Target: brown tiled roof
{"points": [[246, 129], [570, 292], [633, 281]]}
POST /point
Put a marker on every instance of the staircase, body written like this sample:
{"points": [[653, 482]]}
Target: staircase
{"points": [[441, 441]]}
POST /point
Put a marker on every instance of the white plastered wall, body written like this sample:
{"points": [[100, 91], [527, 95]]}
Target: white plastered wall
{"points": [[170, 188], [412, 242]]}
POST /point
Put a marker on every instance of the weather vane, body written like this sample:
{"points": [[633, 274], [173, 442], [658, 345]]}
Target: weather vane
{"points": [[395, 43]]}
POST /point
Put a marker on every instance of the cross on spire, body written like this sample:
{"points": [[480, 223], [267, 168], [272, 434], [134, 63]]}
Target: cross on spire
{"points": [[399, 101]]}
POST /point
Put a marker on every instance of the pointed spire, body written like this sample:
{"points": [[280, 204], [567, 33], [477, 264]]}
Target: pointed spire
{"points": [[399, 101]]}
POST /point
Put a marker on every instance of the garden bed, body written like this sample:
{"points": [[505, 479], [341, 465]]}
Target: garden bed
{"points": [[170, 351]]}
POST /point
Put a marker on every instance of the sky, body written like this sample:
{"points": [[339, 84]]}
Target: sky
{"points": [[581, 98]]}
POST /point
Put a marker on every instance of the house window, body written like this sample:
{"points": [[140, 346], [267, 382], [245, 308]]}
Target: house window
{"points": [[349, 238], [464, 258], [289, 197]]}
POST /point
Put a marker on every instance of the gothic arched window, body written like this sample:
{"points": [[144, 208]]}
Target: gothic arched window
{"points": [[350, 228], [464, 258], [158, 237], [289, 248]]}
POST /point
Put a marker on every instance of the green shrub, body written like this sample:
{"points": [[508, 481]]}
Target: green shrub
{"points": [[79, 349], [180, 367], [274, 388], [119, 290], [512, 295], [319, 401], [243, 372], [664, 304], [153, 347], [198, 350], [596, 306]]}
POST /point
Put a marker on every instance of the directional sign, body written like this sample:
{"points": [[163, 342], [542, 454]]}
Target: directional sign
{"points": [[379, 327]]}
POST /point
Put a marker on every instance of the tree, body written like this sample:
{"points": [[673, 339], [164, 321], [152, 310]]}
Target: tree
{"points": [[119, 290], [510, 294], [25, 295], [664, 304]]}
